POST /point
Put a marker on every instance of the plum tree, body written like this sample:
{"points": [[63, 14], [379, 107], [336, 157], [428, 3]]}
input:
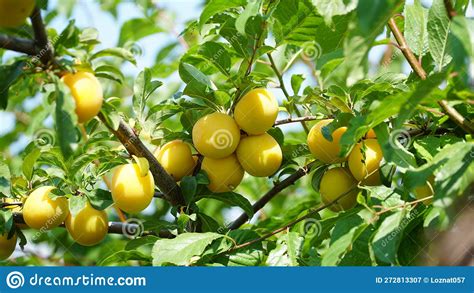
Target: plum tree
{"points": [[339, 183], [89, 226], [7, 245], [216, 135], [259, 155], [323, 149], [364, 161], [13, 13], [87, 93], [43, 212], [177, 159], [210, 98], [224, 174], [131, 191], [256, 111]]}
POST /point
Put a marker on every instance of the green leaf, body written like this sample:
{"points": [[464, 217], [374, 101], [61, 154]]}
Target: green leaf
{"points": [[416, 35], [189, 187], [373, 14], [141, 241], [9, 74], [243, 46], [189, 73], [76, 204], [296, 81], [65, 122], [100, 199], [5, 177], [29, 162], [422, 91], [330, 8], [136, 29], [68, 38], [453, 168], [252, 255], [438, 34], [217, 6], [461, 28], [251, 9], [142, 90], [123, 256], [393, 151], [359, 255], [371, 20], [388, 236], [217, 54], [287, 250], [317, 176], [232, 199], [183, 250], [90, 36], [296, 22], [427, 147], [110, 72], [209, 224], [345, 232], [116, 52]]}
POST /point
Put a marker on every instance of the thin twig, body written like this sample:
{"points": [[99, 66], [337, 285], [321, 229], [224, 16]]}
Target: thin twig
{"points": [[296, 119], [292, 223], [283, 88], [415, 65], [107, 182], [460, 120], [272, 193], [415, 202]]}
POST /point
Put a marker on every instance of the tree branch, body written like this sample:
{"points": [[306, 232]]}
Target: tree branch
{"points": [[403, 46], [283, 88], [135, 146], [310, 213], [45, 49], [114, 228], [462, 122], [450, 9], [272, 193], [454, 115], [18, 45]]}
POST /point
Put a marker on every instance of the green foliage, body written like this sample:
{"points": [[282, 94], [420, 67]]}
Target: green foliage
{"points": [[320, 55]]}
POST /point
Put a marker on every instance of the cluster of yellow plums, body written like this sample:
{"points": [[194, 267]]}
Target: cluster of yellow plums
{"points": [[132, 191], [40, 211], [341, 183], [132, 187], [230, 145], [227, 152]]}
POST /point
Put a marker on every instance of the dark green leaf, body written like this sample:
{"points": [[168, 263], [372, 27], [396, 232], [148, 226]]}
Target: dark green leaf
{"points": [[185, 249], [232, 199]]}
